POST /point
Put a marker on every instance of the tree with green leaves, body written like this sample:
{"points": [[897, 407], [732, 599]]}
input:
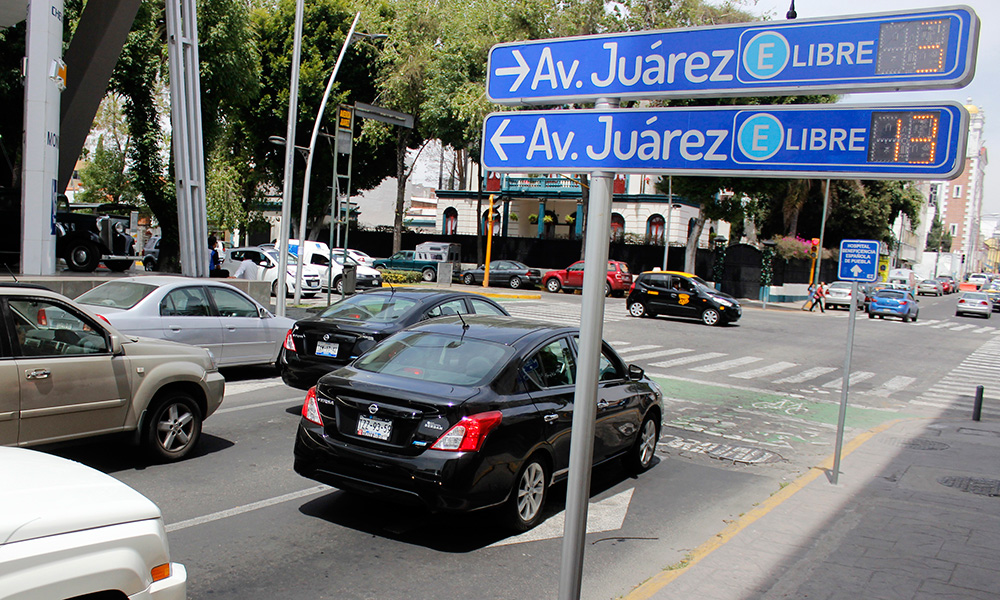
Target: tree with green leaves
{"points": [[938, 238]]}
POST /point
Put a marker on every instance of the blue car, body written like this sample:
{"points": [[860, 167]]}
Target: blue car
{"points": [[894, 303]]}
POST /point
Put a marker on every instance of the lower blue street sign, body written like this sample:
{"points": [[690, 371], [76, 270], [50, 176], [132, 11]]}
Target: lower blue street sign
{"points": [[858, 260], [890, 141]]}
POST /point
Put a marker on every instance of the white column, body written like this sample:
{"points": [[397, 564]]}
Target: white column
{"points": [[43, 82]]}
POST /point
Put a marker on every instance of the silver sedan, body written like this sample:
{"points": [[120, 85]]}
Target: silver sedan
{"points": [[201, 312], [974, 303]]}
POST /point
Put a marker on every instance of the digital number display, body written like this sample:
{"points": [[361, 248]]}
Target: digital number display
{"points": [[912, 47], [905, 137]]}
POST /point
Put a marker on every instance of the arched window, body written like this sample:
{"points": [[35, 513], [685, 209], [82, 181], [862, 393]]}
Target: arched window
{"points": [[655, 230], [496, 221], [450, 221], [617, 227]]}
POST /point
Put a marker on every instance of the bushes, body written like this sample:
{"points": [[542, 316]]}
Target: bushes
{"points": [[401, 277]]}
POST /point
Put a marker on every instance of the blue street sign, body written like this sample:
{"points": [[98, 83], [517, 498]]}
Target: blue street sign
{"points": [[891, 141], [858, 260], [917, 49]]}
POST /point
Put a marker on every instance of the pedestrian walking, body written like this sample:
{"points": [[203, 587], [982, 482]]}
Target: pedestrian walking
{"points": [[819, 298], [812, 297]]}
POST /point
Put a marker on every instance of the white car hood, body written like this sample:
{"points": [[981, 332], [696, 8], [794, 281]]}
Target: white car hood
{"points": [[44, 495]]}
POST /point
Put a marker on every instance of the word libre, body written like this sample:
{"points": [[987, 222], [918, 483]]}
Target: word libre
{"points": [[892, 141], [925, 49]]}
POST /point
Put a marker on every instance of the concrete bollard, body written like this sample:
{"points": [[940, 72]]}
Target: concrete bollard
{"points": [[977, 408]]}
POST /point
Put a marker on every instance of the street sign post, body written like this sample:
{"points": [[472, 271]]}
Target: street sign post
{"points": [[891, 141], [916, 49], [858, 260]]}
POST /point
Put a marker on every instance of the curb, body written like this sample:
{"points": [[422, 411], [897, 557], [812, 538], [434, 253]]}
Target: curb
{"points": [[654, 584]]}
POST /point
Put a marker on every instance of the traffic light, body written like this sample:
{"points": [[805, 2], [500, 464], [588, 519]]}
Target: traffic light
{"points": [[814, 249]]}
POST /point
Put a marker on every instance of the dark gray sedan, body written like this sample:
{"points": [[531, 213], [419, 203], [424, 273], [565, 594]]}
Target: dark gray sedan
{"points": [[504, 272]]}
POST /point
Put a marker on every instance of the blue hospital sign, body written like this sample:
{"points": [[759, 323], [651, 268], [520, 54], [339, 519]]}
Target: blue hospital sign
{"points": [[858, 260], [878, 141], [917, 49]]}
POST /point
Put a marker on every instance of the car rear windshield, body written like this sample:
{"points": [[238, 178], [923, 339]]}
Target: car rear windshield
{"points": [[891, 294], [437, 357], [382, 308], [117, 294]]}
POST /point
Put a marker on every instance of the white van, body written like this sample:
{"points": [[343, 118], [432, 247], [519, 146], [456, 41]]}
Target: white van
{"points": [[317, 255]]}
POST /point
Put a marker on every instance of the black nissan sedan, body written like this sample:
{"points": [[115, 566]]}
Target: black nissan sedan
{"points": [[464, 413], [347, 329]]}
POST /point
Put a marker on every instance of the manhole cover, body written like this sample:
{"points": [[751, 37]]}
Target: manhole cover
{"points": [[976, 485], [915, 443]]}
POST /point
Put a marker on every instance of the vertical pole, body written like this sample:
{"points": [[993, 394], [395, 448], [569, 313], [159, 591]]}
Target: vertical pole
{"points": [[822, 231], [334, 215], [977, 408], [286, 195], [842, 417], [347, 230], [670, 213], [581, 451], [489, 243]]}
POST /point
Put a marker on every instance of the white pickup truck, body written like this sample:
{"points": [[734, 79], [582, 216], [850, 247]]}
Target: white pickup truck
{"points": [[69, 531]]}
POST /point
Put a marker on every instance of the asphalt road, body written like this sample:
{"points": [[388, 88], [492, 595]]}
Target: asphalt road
{"points": [[749, 407]]}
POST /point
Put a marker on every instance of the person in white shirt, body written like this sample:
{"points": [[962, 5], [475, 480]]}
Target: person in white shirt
{"points": [[248, 269]]}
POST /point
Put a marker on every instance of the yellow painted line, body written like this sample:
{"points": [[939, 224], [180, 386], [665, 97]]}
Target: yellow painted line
{"points": [[657, 582]]}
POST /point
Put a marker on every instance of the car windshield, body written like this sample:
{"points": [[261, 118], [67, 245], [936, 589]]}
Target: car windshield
{"points": [[437, 357], [840, 285], [382, 308], [891, 294], [929, 282], [117, 294], [339, 259], [274, 256]]}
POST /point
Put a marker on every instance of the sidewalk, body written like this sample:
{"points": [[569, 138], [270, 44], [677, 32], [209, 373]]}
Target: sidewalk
{"points": [[916, 515]]}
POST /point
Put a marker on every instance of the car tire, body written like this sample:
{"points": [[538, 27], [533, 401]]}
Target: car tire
{"points": [[119, 266], [523, 510], [149, 263], [915, 317], [515, 282], [553, 285], [871, 316], [83, 257], [469, 279], [173, 428], [429, 274], [637, 309], [607, 289], [711, 316], [640, 455], [338, 285], [906, 319]]}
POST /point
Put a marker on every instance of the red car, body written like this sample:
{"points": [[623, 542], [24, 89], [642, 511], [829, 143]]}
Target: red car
{"points": [[571, 278]]}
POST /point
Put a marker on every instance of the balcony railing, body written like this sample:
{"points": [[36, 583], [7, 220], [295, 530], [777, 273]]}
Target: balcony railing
{"points": [[522, 183]]}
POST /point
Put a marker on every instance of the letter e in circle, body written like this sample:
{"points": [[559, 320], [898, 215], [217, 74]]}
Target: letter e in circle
{"points": [[760, 136], [766, 55]]}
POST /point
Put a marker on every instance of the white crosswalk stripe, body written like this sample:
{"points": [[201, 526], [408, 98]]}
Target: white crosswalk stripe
{"points": [[625, 351], [955, 392], [764, 371], [893, 385], [962, 327], [944, 324], [856, 377], [806, 375], [688, 359], [727, 364], [926, 323], [657, 354]]}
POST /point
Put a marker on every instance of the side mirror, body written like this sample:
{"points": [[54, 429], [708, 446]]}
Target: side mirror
{"points": [[635, 372], [263, 313], [116, 345]]}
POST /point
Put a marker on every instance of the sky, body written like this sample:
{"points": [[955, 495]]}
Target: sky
{"points": [[984, 89]]}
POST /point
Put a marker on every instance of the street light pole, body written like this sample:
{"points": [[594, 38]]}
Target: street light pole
{"points": [[286, 196]]}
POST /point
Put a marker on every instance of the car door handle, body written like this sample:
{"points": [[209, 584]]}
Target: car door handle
{"points": [[37, 374], [550, 418], [603, 404], [230, 328], [174, 328]]}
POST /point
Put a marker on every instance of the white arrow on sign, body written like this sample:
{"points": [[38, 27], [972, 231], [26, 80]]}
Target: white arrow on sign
{"points": [[856, 270], [498, 139], [521, 70], [603, 515]]}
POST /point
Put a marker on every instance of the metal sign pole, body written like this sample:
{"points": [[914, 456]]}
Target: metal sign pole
{"points": [[822, 231], [581, 451], [842, 418], [670, 214]]}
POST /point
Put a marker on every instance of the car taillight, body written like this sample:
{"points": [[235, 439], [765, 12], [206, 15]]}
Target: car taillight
{"points": [[983, 303], [962, 301], [289, 342], [631, 288], [310, 409], [618, 275], [469, 434]]}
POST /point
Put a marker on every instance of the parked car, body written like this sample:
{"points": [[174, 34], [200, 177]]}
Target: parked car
{"points": [[994, 295], [424, 258], [948, 283], [682, 295], [202, 312], [931, 287], [352, 326], [268, 261], [980, 279], [974, 303], [507, 272], [571, 278], [78, 376], [70, 531], [892, 302], [463, 414], [360, 257], [151, 254], [838, 295], [85, 240]]}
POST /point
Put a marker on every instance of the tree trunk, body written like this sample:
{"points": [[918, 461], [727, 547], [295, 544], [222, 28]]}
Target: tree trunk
{"points": [[402, 137], [691, 249]]}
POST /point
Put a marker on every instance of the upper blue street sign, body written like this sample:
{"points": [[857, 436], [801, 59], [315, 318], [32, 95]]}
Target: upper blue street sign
{"points": [[858, 260], [890, 141], [917, 49]]}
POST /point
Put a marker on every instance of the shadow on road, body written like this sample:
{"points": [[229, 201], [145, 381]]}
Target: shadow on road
{"points": [[115, 453]]}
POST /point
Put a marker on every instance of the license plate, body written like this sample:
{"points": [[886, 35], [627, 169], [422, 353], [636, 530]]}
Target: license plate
{"points": [[326, 349], [378, 429]]}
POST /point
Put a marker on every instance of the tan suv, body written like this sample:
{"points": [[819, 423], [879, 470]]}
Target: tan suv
{"points": [[65, 374]]}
